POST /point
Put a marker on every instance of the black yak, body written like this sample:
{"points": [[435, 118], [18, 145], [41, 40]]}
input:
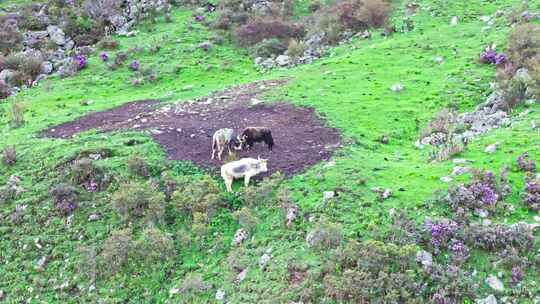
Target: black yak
{"points": [[252, 135]]}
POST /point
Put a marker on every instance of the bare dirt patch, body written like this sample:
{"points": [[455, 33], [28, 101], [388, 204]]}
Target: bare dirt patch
{"points": [[184, 130]]}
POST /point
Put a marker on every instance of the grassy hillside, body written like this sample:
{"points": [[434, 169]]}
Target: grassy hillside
{"points": [[350, 89]]}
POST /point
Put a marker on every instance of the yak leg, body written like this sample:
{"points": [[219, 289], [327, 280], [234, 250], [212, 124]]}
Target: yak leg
{"points": [[246, 180], [228, 183], [220, 152]]}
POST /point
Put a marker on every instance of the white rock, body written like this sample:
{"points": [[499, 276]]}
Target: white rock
{"points": [[485, 18], [490, 149], [425, 258], [242, 275], [398, 87], [265, 258], [438, 60], [460, 170], [494, 283], [327, 195], [56, 34], [46, 67], [41, 263], [454, 21], [481, 213], [93, 217], [220, 295], [446, 179], [460, 161], [283, 60], [239, 237], [488, 300]]}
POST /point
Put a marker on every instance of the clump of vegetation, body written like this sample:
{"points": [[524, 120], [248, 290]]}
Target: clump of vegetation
{"points": [[531, 195], [116, 251], [442, 123], [65, 198], [9, 156], [85, 173], [10, 37], [138, 166], [296, 48], [108, 43], [138, 200], [268, 48], [154, 246], [259, 29], [374, 271], [202, 196], [193, 284], [246, 219], [16, 113], [499, 236], [264, 194], [525, 163], [325, 236], [439, 233], [481, 193]]}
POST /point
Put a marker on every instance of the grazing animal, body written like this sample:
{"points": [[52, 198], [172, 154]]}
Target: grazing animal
{"points": [[252, 135], [245, 167], [224, 138]]}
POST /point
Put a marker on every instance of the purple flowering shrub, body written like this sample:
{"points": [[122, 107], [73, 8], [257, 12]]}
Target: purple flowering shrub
{"points": [[439, 233], [525, 163], [134, 65], [80, 62], [459, 252], [531, 196], [450, 284], [490, 56], [499, 236], [64, 197], [104, 56], [481, 193]]}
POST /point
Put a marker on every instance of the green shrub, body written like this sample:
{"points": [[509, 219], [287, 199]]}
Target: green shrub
{"points": [[268, 48], [10, 37], [116, 250], [198, 196], [16, 113], [9, 156], [259, 29], [265, 193], [325, 236], [246, 219], [138, 166], [154, 246], [524, 45], [139, 200], [108, 43], [296, 48]]}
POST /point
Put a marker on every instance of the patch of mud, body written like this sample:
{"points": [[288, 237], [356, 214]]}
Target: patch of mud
{"points": [[185, 129]]}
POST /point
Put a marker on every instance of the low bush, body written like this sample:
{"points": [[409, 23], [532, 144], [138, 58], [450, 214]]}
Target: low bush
{"points": [[499, 236], [439, 233], [115, 252], [295, 48], [265, 193], [108, 43], [120, 58], [201, 196], [246, 219], [193, 283], [5, 90], [268, 48], [16, 113], [358, 15], [138, 166], [154, 246], [139, 200], [10, 37], [442, 123], [481, 193], [65, 198], [259, 29], [525, 163], [9, 156], [524, 45], [531, 195], [374, 272], [325, 236]]}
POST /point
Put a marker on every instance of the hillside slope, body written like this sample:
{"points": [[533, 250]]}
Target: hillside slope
{"points": [[350, 90]]}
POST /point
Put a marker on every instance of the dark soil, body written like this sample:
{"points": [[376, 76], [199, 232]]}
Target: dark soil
{"points": [[185, 129]]}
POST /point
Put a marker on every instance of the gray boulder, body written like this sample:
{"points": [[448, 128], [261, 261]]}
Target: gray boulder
{"points": [[46, 67], [56, 34], [283, 60], [7, 76]]}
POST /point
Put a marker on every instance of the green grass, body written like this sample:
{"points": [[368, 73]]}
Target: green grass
{"points": [[350, 89]]}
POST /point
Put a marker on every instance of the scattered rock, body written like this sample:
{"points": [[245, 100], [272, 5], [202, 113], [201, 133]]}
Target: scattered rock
{"points": [[438, 60], [46, 67], [220, 295], [56, 34], [283, 60], [205, 46], [446, 179], [327, 195], [265, 258], [454, 21], [481, 213], [490, 149], [93, 217], [383, 193], [495, 283], [397, 87], [488, 300], [188, 88], [425, 258], [41, 263], [7, 76], [460, 170]]}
